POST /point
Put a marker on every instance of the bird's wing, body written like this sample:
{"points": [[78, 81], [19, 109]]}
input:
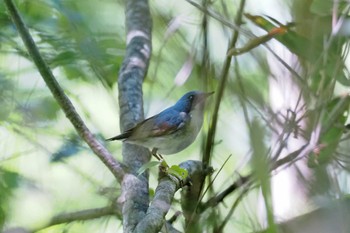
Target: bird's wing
{"points": [[162, 124]]}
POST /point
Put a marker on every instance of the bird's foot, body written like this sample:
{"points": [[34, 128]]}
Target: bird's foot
{"points": [[174, 172], [163, 166], [158, 156]]}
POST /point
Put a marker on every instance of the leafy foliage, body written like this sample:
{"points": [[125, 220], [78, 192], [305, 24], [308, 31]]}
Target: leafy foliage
{"points": [[84, 44], [9, 181]]}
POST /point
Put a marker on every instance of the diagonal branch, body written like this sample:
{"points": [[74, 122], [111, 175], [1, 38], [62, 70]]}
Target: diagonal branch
{"points": [[235, 26], [155, 216], [82, 215], [114, 166], [160, 205], [243, 180]]}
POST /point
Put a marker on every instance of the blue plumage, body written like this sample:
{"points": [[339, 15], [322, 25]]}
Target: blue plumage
{"points": [[173, 129]]}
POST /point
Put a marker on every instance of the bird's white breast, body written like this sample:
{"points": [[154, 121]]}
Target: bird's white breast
{"points": [[182, 138]]}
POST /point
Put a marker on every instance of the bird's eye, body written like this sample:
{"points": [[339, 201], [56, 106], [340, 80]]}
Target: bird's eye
{"points": [[190, 97]]}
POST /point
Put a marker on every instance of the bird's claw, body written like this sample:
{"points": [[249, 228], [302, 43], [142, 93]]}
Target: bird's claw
{"points": [[158, 156], [174, 172]]}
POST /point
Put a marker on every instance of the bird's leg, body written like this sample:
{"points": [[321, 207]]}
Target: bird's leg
{"points": [[158, 156], [163, 164]]}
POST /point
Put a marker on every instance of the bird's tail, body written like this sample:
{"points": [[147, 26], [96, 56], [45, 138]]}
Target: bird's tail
{"points": [[122, 136]]}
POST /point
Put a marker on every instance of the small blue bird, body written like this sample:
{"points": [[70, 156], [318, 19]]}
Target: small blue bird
{"points": [[173, 129]]}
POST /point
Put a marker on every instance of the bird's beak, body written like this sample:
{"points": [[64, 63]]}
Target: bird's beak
{"points": [[200, 98], [205, 95], [208, 94]]}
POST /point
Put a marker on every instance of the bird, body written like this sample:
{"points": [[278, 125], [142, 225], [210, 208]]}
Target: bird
{"points": [[171, 130]]}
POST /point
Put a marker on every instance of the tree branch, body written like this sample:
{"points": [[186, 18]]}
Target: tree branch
{"points": [[190, 194], [248, 178], [114, 166], [222, 84], [219, 18], [155, 216], [135, 196], [81, 216], [221, 196], [84, 215]]}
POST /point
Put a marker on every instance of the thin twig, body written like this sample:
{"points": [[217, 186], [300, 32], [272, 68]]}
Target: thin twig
{"points": [[221, 88], [114, 166], [220, 92], [242, 180], [234, 206], [235, 26], [81, 215]]}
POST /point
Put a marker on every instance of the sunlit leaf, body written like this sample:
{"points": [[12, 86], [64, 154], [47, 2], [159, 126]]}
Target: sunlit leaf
{"points": [[293, 41], [178, 172]]}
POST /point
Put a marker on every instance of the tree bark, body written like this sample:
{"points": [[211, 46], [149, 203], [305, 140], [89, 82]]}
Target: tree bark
{"points": [[135, 196]]}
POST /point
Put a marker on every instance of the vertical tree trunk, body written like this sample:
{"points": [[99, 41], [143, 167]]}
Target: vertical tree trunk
{"points": [[135, 196]]}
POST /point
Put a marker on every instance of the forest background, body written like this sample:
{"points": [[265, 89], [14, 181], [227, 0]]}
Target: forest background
{"points": [[273, 153]]}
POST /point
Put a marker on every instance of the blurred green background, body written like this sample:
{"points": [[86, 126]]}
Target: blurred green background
{"points": [[45, 169]]}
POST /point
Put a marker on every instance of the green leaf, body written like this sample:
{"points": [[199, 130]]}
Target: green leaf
{"points": [[261, 167], [146, 166], [64, 58], [322, 7], [333, 119], [178, 172], [285, 34], [8, 182]]}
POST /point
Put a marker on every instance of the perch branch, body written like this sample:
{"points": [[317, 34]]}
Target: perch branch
{"points": [[135, 195]]}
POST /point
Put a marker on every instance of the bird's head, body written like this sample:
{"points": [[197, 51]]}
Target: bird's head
{"points": [[192, 100]]}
